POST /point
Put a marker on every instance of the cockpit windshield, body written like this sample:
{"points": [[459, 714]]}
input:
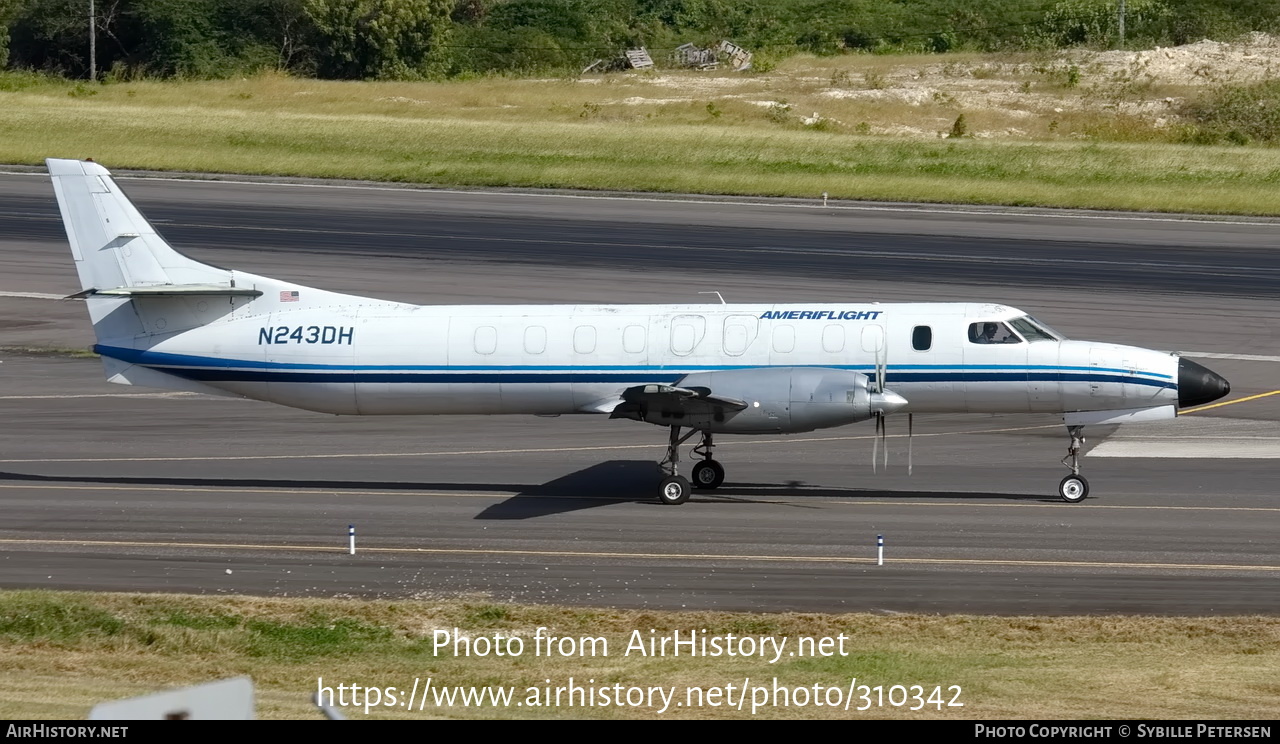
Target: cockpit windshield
{"points": [[1033, 330]]}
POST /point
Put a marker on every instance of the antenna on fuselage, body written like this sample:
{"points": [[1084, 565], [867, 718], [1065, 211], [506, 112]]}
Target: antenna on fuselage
{"points": [[717, 294]]}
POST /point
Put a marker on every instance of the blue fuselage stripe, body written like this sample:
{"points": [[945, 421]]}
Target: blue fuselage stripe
{"points": [[165, 359], [239, 375], [212, 369]]}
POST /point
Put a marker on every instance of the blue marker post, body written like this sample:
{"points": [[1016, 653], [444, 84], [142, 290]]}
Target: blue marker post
{"points": [[879, 550], [351, 539]]}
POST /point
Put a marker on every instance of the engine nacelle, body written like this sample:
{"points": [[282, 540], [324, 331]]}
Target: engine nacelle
{"points": [[783, 400]]}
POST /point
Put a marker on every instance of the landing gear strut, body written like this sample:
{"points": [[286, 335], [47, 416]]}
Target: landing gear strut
{"points": [[708, 474], [675, 488], [1074, 488]]}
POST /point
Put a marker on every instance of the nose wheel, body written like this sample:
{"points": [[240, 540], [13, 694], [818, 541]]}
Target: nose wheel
{"points": [[675, 490], [1074, 488]]}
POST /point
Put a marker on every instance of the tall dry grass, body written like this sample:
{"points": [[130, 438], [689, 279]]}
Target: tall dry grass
{"points": [[673, 133]]}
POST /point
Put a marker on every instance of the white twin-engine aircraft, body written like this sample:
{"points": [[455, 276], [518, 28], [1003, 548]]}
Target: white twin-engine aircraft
{"points": [[164, 320]]}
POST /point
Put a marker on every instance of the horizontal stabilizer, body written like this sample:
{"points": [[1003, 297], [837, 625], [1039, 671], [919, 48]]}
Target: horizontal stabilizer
{"points": [[170, 290]]}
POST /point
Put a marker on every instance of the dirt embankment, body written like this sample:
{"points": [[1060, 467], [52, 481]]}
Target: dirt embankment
{"points": [[1126, 94]]}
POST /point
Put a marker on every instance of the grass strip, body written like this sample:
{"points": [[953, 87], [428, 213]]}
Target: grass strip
{"points": [[63, 652], [320, 129]]}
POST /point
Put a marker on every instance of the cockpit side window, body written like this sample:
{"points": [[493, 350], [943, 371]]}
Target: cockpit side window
{"points": [[992, 332], [1030, 330]]}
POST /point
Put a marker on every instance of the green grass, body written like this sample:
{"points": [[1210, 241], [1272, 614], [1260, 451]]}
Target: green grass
{"points": [[48, 351], [63, 652], [531, 134]]}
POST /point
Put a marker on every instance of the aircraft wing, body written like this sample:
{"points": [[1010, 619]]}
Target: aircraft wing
{"points": [[692, 402]]}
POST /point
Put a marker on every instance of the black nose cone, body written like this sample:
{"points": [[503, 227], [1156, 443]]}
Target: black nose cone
{"points": [[1198, 385]]}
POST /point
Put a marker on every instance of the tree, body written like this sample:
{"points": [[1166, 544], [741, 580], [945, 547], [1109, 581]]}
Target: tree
{"points": [[379, 38], [8, 11]]}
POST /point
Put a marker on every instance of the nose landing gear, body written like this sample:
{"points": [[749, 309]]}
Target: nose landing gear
{"points": [[1074, 488]]}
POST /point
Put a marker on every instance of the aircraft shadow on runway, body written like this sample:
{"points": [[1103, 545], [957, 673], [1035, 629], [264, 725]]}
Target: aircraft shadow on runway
{"points": [[602, 484], [637, 481]]}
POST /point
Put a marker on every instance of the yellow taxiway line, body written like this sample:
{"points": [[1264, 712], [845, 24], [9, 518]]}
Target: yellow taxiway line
{"points": [[1197, 409]]}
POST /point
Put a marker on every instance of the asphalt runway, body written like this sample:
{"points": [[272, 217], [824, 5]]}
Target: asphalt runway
{"points": [[124, 489]]}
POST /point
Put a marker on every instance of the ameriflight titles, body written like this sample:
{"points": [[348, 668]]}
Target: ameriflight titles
{"points": [[820, 314], [651, 644]]}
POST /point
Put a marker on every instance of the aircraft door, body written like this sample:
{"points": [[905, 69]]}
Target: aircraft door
{"points": [[687, 332], [739, 333]]}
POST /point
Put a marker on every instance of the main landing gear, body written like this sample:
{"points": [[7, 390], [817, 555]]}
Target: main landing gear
{"points": [[708, 474], [1074, 488]]}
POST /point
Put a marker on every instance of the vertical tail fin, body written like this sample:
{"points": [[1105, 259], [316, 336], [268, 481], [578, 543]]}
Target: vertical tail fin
{"points": [[113, 244]]}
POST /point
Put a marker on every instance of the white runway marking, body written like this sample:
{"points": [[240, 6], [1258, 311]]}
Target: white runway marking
{"points": [[33, 295], [1229, 449], [593, 555], [1241, 357], [720, 200], [103, 395], [1215, 439], [533, 451]]}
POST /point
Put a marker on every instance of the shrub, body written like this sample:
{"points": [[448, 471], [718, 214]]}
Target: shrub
{"points": [[779, 112], [1238, 114]]}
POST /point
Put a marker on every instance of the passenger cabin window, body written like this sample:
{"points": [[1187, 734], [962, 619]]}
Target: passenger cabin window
{"points": [[535, 340], [921, 338], [735, 338], [686, 333], [992, 333], [833, 339], [584, 339], [683, 338], [784, 339], [633, 339], [486, 340]]}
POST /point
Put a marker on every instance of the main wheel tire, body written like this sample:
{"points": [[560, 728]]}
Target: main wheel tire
{"points": [[1073, 489], [708, 474], [675, 490]]}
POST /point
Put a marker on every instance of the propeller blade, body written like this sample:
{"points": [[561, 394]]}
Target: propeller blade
{"points": [[875, 444], [884, 439], [880, 370], [910, 440]]}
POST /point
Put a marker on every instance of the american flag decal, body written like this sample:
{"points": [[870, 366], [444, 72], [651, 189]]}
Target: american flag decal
{"points": [[289, 296]]}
